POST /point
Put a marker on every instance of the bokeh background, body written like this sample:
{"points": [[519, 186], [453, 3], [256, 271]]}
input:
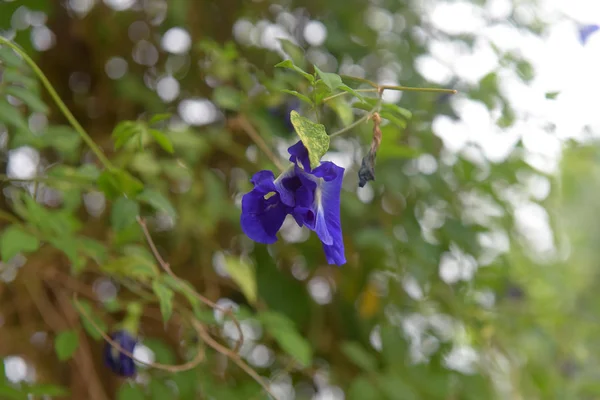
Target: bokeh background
{"points": [[472, 258]]}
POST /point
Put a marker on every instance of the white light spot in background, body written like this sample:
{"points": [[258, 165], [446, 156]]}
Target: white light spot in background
{"points": [[22, 162], [375, 338], [81, 7], [105, 289], [224, 304], [320, 290], [261, 356], [15, 369], [329, 393], [379, 19], [119, 5], [462, 359], [365, 194], [176, 41], [116, 67], [427, 164], [291, 232], [457, 17], [198, 111], [315, 33], [433, 70], [143, 353], [242, 30], [145, 53], [168, 88], [94, 203], [270, 36], [42, 38]]}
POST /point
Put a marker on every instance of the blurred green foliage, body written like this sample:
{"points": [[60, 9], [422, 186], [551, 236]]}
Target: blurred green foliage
{"points": [[508, 321]]}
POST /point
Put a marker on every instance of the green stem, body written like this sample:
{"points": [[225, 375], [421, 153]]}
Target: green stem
{"points": [[61, 105], [359, 121], [392, 87]]}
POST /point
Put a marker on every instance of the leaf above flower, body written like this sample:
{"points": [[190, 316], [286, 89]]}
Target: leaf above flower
{"points": [[313, 136]]}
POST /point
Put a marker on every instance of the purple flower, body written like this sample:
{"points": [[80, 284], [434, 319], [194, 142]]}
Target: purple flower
{"points": [[312, 197], [585, 32], [121, 364]]}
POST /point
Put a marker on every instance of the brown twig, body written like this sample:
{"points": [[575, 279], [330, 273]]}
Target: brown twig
{"points": [[171, 368], [235, 357], [247, 127], [167, 268]]}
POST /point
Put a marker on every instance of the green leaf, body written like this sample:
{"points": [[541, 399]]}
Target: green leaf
{"points": [[33, 101], [359, 356], [65, 344], [125, 131], [14, 75], [123, 213], [348, 89], [298, 95], [552, 95], [165, 299], [116, 183], [158, 201], [10, 393], [290, 65], [159, 390], [132, 266], [243, 274], [313, 136], [14, 240], [163, 140], [69, 246], [156, 118], [9, 58], [227, 97], [342, 109], [285, 333], [127, 391], [296, 53], [10, 115], [333, 81]]}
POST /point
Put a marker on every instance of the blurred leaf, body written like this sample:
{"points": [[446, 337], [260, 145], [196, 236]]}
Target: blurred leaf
{"points": [[129, 391], [28, 97], [295, 52], [14, 240], [16, 76], [227, 97], [156, 118], [158, 201], [65, 344], [343, 110], [10, 115], [363, 389], [133, 266], [313, 137], [290, 65], [165, 299], [10, 393], [298, 95], [10, 59], [243, 274], [159, 390], [125, 131], [333, 81], [116, 183], [124, 213], [359, 356], [552, 95], [285, 333], [162, 140]]}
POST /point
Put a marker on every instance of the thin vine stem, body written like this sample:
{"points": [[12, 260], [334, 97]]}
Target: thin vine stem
{"points": [[167, 268], [364, 118], [61, 105], [392, 87], [165, 367]]}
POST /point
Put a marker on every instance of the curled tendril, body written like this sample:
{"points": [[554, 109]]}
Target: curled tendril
{"points": [[198, 358], [167, 268]]}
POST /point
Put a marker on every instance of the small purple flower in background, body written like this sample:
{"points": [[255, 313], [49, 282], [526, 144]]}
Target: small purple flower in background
{"points": [[121, 364], [311, 196], [585, 32]]}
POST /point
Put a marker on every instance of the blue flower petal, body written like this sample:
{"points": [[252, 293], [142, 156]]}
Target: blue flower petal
{"points": [[586, 31], [328, 225], [120, 363], [298, 153], [262, 217]]}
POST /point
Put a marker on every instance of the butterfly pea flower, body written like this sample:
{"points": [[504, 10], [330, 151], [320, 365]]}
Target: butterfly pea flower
{"points": [[121, 364], [311, 196]]}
